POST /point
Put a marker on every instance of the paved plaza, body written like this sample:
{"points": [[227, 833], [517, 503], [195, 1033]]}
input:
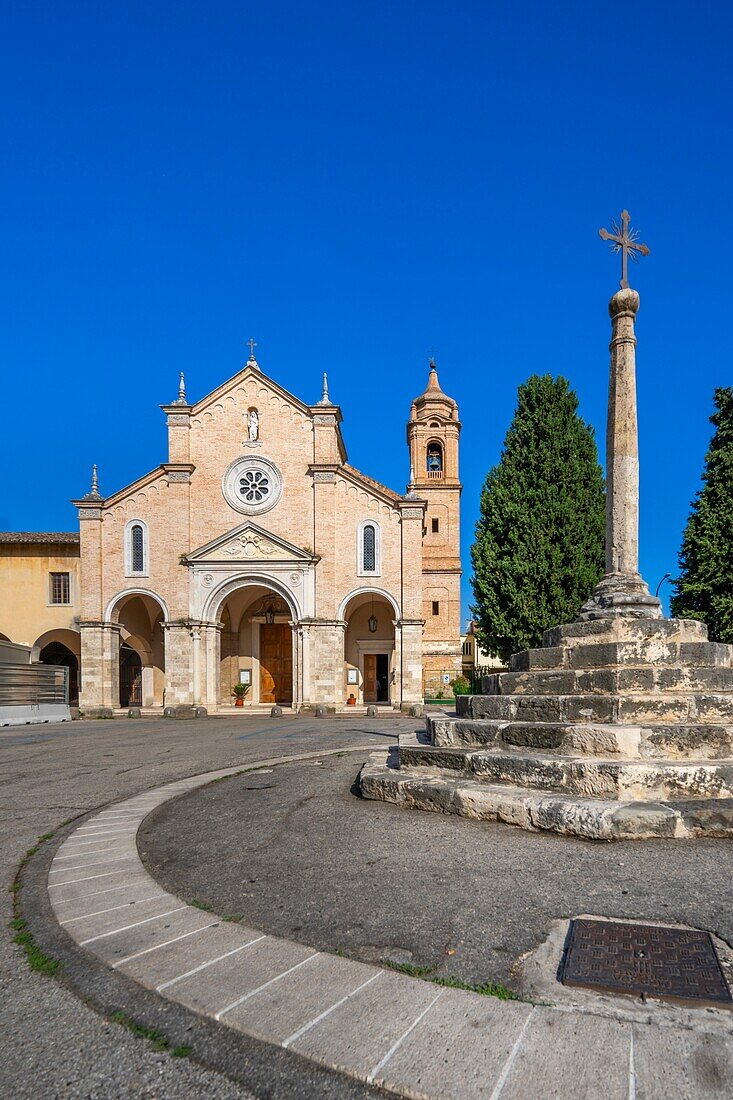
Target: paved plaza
{"points": [[321, 891]]}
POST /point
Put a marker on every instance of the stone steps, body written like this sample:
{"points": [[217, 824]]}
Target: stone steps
{"points": [[641, 652], [659, 708], [571, 815], [621, 630], [710, 741], [624, 780], [643, 680]]}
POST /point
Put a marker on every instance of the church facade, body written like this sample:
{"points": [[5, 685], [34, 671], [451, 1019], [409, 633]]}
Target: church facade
{"points": [[257, 555]]}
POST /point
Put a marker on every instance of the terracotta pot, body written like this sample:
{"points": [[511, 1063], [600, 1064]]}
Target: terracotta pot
{"points": [[238, 701]]}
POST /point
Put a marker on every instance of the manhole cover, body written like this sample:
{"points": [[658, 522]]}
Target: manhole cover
{"points": [[671, 963]]}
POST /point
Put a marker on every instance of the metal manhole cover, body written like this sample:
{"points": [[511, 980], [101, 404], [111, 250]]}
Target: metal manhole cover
{"points": [[672, 963]]}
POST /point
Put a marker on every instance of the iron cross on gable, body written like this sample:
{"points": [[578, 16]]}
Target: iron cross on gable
{"points": [[626, 241], [252, 346]]}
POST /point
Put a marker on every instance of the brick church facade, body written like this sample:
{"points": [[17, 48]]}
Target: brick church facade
{"points": [[256, 554]]}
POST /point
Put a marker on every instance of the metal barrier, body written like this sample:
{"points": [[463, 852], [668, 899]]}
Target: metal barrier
{"points": [[33, 685]]}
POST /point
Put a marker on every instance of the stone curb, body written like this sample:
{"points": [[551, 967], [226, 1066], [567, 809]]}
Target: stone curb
{"points": [[410, 1037]]}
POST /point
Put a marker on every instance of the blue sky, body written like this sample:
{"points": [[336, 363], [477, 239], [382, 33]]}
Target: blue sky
{"points": [[356, 187]]}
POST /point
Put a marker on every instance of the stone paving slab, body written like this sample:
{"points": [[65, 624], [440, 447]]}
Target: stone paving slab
{"points": [[413, 1038], [80, 883], [166, 965], [103, 898], [570, 1056], [458, 1049], [286, 1008], [144, 933], [681, 1063], [224, 984], [363, 1032], [111, 918]]}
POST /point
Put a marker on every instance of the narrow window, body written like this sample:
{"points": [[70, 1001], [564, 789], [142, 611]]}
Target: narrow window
{"points": [[60, 588], [436, 526], [369, 561], [137, 548], [436, 607]]}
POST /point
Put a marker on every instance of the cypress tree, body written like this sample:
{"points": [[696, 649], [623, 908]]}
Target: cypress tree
{"points": [[540, 538], [704, 589]]}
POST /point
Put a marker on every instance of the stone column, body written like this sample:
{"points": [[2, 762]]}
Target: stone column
{"points": [[622, 591]]}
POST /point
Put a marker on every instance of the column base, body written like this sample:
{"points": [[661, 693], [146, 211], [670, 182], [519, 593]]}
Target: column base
{"points": [[621, 594]]}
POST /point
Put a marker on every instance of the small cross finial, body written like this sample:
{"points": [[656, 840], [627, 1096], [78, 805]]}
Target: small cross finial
{"points": [[625, 240], [252, 345]]}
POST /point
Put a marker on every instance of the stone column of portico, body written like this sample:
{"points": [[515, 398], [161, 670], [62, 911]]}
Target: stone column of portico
{"points": [[622, 591]]}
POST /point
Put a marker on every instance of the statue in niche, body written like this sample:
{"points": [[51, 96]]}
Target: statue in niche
{"points": [[253, 426]]}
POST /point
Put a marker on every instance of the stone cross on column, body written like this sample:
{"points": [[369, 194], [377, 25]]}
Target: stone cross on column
{"points": [[622, 591]]}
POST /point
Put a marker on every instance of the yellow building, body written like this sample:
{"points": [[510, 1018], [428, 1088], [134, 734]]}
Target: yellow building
{"points": [[39, 597], [255, 554]]}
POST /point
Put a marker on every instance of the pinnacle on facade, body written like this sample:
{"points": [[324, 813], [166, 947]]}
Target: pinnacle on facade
{"points": [[325, 399], [181, 399], [94, 493]]}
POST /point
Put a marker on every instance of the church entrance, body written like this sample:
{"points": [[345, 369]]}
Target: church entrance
{"points": [[131, 677], [369, 646], [376, 677], [256, 648], [276, 664]]}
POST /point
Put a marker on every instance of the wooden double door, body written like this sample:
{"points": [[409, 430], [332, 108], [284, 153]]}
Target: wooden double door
{"points": [[276, 664]]}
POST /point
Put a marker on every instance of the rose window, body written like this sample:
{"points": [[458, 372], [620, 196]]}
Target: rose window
{"points": [[254, 486]]}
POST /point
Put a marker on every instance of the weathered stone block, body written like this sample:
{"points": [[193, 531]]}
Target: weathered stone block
{"points": [[98, 712], [276, 712], [134, 712], [589, 708], [537, 658]]}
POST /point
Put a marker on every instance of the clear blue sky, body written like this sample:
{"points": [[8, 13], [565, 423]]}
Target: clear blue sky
{"points": [[355, 186]]}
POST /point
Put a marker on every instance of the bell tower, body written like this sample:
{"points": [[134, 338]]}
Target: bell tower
{"points": [[432, 437]]}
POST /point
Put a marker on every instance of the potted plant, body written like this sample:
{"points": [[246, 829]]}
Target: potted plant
{"points": [[240, 693]]}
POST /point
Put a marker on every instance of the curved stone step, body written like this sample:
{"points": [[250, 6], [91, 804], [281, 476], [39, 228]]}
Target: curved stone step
{"points": [[609, 654], [661, 707], [678, 741], [624, 780], [607, 681], [588, 818], [624, 629]]}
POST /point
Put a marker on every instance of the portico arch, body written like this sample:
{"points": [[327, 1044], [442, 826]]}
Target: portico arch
{"points": [[214, 602], [61, 647], [254, 637], [140, 658], [370, 652]]}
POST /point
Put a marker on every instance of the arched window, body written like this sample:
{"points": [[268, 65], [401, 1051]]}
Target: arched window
{"points": [[434, 459], [136, 548], [369, 564]]}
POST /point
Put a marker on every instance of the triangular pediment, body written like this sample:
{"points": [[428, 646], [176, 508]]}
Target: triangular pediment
{"points": [[237, 380], [248, 542]]}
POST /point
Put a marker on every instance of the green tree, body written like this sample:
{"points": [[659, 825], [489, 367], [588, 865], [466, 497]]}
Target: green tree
{"points": [[539, 547], [704, 589]]}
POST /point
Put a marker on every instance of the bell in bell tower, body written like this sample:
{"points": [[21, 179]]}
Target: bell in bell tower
{"points": [[432, 437]]}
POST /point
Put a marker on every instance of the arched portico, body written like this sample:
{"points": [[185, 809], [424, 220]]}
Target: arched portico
{"points": [[137, 617], [61, 647], [370, 651], [252, 635]]}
